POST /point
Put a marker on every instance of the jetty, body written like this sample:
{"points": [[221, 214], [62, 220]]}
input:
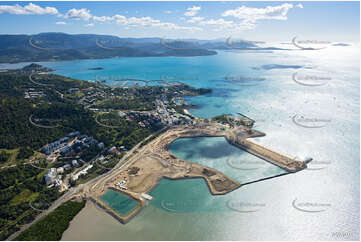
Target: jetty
{"points": [[278, 159]]}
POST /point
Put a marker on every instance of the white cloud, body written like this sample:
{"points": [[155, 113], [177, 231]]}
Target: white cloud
{"points": [[167, 11], [253, 14], [142, 22], [89, 25], [134, 21], [220, 21], [195, 19], [27, 9], [221, 25], [78, 14], [192, 11], [60, 23], [102, 19], [248, 17]]}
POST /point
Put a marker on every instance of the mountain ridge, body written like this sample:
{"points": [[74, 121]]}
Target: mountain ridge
{"points": [[57, 46]]}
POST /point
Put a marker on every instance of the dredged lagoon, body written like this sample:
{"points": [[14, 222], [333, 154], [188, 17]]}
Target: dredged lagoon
{"points": [[333, 179], [215, 152], [120, 202]]}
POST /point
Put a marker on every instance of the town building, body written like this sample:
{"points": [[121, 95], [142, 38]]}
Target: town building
{"points": [[50, 177], [75, 163], [101, 145], [60, 170], [67, 167], [112, 150]]}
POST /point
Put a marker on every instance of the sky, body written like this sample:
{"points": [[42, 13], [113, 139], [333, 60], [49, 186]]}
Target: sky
{"points": [[262, 21]]}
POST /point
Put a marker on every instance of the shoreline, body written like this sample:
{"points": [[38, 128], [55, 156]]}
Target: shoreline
{"points": [[114, 57], [154, 162]]}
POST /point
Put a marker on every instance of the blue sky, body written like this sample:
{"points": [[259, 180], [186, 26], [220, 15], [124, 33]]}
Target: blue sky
{"points": [[271, 21]]}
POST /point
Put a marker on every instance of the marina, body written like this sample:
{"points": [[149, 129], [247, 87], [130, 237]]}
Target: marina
{"points": [[144, 170]]}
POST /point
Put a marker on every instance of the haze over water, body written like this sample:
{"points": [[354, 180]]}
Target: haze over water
{"points": [[287, 112]]}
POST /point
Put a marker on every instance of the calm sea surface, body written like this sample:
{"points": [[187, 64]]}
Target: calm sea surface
{"points": [[320, 121]]}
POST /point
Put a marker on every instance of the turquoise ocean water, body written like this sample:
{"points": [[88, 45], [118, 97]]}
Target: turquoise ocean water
{"points": [[323, 122]]}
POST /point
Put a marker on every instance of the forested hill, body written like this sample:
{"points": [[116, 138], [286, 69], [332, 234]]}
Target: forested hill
{"points": [[38, 107], [22, 119], [61, 46]]}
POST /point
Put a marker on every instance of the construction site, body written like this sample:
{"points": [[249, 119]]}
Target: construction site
{"points": [[141, 172]]}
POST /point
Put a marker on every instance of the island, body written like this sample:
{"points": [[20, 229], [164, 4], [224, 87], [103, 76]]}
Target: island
{"points": [[96, 68]]}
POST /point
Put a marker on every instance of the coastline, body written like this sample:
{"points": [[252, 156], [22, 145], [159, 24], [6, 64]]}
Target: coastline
{"points": [[154, 161], [113, 57], [309, 180]]}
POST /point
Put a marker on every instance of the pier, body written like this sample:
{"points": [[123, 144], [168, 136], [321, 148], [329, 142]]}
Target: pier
{"points": [[264, 179], [146, 196], [280, 160]]}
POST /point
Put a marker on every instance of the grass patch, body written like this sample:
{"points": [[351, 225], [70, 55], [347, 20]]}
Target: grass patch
{"points": [[24, 196], [9, 157]]}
